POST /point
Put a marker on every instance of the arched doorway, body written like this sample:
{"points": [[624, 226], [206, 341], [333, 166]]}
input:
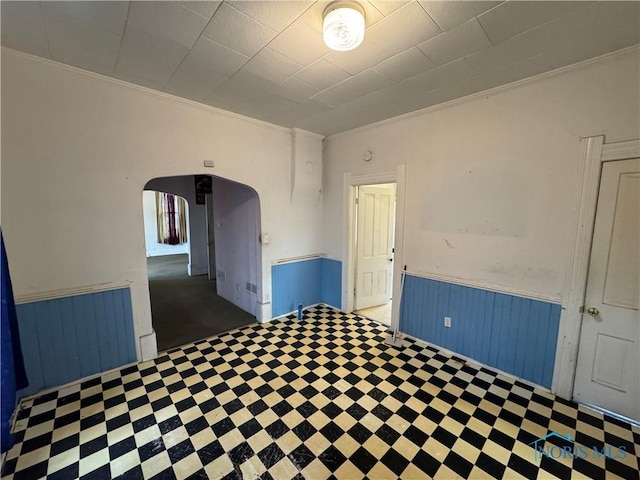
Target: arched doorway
{"points": [[213, 286]]}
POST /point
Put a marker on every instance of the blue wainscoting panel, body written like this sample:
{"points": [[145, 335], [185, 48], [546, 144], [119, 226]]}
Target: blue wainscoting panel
{"points": [[513, 334], [332, 282], [65, 339], [295, 283]]}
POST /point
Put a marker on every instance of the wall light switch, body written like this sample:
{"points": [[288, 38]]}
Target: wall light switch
{"points": [[447, 322], [265, 238]]}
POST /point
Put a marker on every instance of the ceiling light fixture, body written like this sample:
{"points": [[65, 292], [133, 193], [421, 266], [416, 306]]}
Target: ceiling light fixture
{"points": [[343, 26]]}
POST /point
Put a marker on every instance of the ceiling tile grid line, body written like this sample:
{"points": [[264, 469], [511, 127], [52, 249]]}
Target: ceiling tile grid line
{"points": [[44, 27], [191, 45], [251, 57], [122, 37]]}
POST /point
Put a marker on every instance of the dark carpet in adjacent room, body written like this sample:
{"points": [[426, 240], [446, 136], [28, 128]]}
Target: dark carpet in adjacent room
{"points": [[184, 308]]}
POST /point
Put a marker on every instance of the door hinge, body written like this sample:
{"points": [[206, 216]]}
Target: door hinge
{"points": [[581, 309], [354, 292]]}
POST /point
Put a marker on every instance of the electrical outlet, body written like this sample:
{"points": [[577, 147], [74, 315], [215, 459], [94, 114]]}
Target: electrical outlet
{"points": [[447, 322]]}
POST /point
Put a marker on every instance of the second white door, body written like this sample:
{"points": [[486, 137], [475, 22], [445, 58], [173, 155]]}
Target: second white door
{"points": [[374, 245], [607, 372]]}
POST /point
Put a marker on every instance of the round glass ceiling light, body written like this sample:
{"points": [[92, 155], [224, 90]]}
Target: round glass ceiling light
{"points": [[343, 26]]}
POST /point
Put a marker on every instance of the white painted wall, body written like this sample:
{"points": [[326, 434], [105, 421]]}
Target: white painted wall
{"points": [[493, 182], [154, 248], [184, 186], [77, 151], [236, 211]]}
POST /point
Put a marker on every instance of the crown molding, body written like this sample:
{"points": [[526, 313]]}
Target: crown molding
{"points": [[491, 91], [145, 90]]}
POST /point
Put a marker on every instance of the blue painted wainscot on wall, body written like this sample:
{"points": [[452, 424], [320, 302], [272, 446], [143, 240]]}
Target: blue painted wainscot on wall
{"points": [[513, 334], [306, 282], [65, 339]]}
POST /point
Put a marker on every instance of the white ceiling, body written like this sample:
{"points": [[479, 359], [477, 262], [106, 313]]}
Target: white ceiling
{"points": [[266, 59]]}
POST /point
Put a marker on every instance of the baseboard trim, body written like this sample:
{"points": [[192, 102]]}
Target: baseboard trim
{"points": [[476, 363]]}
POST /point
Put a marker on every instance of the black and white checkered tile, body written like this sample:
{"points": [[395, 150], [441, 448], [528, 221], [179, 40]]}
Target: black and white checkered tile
{"points": [[318, 399]]}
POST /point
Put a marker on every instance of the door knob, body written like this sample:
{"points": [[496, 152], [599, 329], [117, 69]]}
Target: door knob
{"points": [[593, 311]]}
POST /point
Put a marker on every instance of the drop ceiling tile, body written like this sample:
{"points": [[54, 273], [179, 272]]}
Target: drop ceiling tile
{"points": [[266, 111], [355, 61], [105, 15], [455, 43], [225, 28], [438, 77], [250, 82], [272, 66], [366, 82], [169, 20], [452, 72], [300, 43], [293, 116], [275, 15], [610, 25], [369, 109], [220, 58], [241, 95], [449, 14], [336, 96], [387, 7], [313, 15], [195, 80], [322, 74], [206, 8], [403, 29], [502, 76], [512, 18], [295, 90], [326, 123], [510, 51], [404, 65], [148, 56], [598, 28], [80, 44], [402, 99], [23, 27]]}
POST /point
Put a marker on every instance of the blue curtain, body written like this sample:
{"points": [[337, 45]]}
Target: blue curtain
{"points": [[12, 369]]}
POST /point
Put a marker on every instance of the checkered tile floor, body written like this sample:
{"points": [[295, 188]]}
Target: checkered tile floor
{"points": [[323, 398]]}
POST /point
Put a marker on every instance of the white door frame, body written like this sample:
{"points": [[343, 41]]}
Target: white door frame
{"points": [[594, 152], [350, 182]]}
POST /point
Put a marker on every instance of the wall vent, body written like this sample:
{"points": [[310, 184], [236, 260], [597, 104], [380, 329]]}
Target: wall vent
{"points": [[251, 287]]}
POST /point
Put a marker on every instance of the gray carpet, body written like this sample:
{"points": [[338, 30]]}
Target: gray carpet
{"points": [[184, 308]]}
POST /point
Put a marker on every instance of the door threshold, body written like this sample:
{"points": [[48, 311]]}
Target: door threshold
{"points": [[615, 415]]}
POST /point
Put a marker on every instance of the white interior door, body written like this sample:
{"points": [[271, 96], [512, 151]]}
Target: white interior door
{"points": [[211, 246], [608, 368], [374, 245]]}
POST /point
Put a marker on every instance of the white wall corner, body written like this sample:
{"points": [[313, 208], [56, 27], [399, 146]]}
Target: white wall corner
{"points": [[263, 312], [293, 163], [306, 166], [196, 269], [148, 347]]}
